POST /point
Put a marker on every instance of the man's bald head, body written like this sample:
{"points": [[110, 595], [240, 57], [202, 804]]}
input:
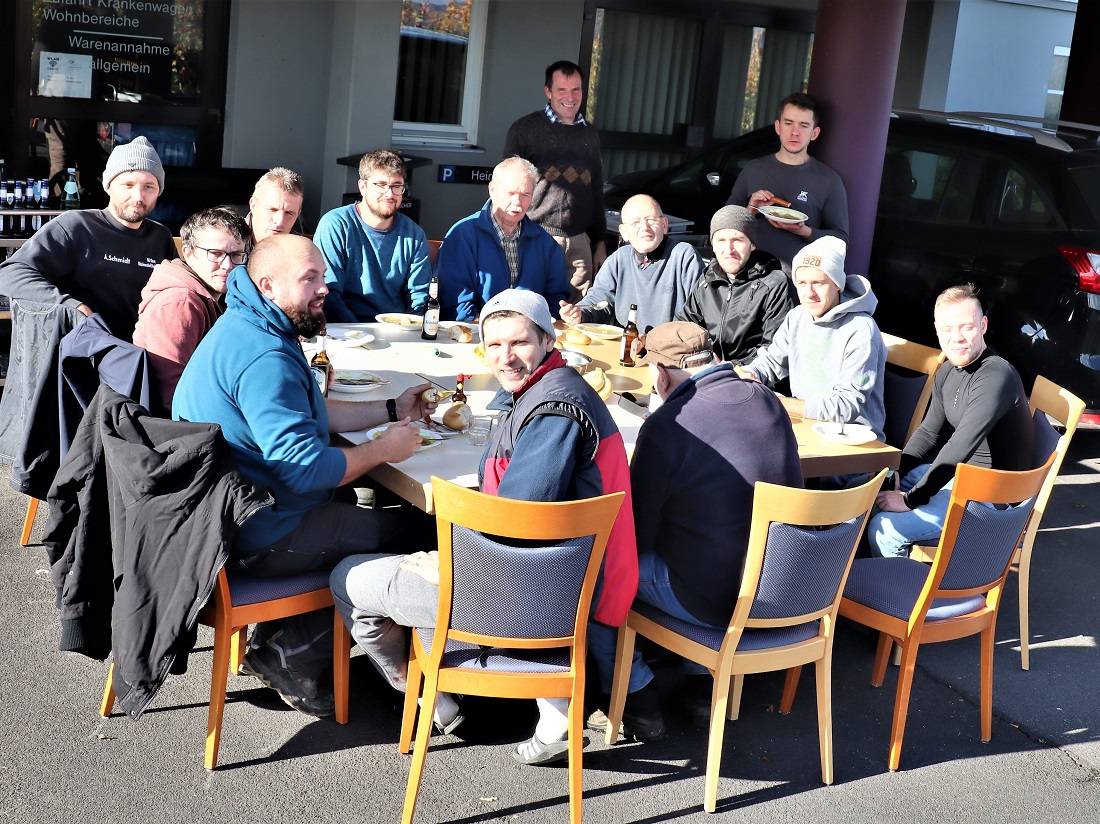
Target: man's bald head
{"points": [[289, 271], [272, 255], [643, 225]]}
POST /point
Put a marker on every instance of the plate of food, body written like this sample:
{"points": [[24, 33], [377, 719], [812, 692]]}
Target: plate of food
{"points": [[849, 433], [354, 381], [460, 331], [781, 214], [347, 337], [405, 322], [428, 439], [601, 331]]}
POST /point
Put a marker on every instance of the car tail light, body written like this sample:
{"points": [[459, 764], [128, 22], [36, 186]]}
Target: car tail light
{"points": [[1086, 264]]}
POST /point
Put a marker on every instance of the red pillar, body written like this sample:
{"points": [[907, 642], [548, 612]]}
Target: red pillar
{"points": [[855, 60]]}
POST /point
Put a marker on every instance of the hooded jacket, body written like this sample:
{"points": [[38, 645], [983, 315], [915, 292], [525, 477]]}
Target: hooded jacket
{"points": [[835, 362], [176, 312], [142, 514]]}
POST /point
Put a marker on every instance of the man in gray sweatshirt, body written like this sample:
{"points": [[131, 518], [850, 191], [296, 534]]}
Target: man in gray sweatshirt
{"points": [[829, 346]]}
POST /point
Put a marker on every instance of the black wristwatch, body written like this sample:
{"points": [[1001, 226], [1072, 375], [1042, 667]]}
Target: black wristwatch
{"points": [[391, 408]]}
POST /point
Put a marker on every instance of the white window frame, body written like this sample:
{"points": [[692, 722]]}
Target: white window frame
{"points": [[464, 134]]}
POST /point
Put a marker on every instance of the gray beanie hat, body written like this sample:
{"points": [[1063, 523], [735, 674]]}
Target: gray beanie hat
{"points": [[737, 218], [136, 156], [827, 254], [529, 304]]}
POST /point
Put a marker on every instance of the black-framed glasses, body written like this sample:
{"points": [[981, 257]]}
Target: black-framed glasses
{"points": [[395, 188], [219, 255]]}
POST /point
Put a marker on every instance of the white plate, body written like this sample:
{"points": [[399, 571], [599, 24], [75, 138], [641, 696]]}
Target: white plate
{"points": [[449, 324], [854, 433], [601, 331], [348, 337], [355, 388], [782, 214], [425, 434], [407, 323]]}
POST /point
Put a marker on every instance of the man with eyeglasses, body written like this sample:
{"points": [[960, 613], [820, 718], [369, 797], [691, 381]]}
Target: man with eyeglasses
{"points": [[653, 272], [376, 259], [184, 296]]}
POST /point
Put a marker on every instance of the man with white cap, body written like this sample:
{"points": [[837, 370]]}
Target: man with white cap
{"points": [[554, 440], [829, 346], [743, 295], [98, 260]]}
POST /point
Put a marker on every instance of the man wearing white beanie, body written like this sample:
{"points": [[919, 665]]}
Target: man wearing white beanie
{"points": [[829, 346], [98, 260]]}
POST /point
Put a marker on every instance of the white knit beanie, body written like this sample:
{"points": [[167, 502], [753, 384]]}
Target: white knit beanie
{"points": [[827, 254]]}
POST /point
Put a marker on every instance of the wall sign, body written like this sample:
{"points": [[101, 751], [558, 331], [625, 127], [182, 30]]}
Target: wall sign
{"points": [[464, 174]]}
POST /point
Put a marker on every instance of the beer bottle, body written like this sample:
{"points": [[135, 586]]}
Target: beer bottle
{"points": [[630, 334], [431, 312], [459, 396], [320, 364]]}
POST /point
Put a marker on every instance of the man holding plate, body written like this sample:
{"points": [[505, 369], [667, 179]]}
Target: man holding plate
{"points": [[249, 375]]}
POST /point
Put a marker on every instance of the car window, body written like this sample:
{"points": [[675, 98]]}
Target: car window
{"points": [[962, 175], [1022, 202]]}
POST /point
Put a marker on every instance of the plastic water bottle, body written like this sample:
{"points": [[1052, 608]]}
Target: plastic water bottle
{"points": [[71, 198], [45, 184], [3, 206]]}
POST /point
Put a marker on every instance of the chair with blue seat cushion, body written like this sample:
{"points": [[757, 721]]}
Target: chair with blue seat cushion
{"points": [[907, 386], [801, 545], [910, 603], [516, 580], [238, 601]]}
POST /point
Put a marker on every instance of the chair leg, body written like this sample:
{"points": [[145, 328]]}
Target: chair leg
{"points": [[720, 697], [28, 521], [107, 703], [823, 674], [341, 664], [987, 681], [790, 687], [576, 748], [624, 652], [733, 703], [219, 676], [1024, 578], [237, 648], [414, 677], [882, 655], [901, 702], [420, 751]]}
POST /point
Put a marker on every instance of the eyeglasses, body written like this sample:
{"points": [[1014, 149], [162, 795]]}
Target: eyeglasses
{"points": [[395, 188], [219, 255], [651, 222]]}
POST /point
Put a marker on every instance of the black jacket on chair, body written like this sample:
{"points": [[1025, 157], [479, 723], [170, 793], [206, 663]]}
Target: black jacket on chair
{"points": [[143, 512]]}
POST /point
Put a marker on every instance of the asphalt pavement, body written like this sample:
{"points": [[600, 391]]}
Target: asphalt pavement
{"points": [[61, 762]]}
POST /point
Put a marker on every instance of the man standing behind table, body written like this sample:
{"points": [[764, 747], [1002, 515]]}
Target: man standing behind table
{"points": [[499, 248], [792, 175], [568, 200], [98, 260], [183, 297], [376, 257], [249, 375], [744, 295], [703, 445], [654, 273], [276, 204], [554, 441], [978, 415], [829, 346]]}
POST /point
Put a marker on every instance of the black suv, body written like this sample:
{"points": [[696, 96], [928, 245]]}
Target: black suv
{"points": [[965, 197]]}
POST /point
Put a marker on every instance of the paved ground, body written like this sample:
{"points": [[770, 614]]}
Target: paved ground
{"points": [[61, 762]]}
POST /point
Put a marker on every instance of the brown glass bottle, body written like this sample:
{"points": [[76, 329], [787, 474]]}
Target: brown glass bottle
{"points": [[630, 334], [320, 365]]}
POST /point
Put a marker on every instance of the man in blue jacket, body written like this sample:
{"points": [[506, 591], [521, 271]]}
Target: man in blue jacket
{"points": [[249, 375], [499, 248]]}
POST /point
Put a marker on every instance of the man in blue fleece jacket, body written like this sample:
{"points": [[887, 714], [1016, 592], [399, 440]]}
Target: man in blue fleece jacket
{"points": [[499, 248], [249, 375]]}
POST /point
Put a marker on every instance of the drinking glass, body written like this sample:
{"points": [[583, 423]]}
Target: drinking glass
{"points": [[479, 429]]}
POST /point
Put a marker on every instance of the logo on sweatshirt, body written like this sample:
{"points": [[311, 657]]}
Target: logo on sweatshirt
{"points": [[148, 264], [113, 259], [804, 196]]}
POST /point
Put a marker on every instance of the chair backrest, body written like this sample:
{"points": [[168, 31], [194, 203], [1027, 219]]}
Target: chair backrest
{"points": [[801, 546], [907, 386], [1048, 400], [517, 573], [986, 516]]}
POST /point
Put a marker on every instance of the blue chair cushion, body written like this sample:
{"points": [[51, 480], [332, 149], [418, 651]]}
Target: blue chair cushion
{"points": [[245, 590], [893, 585], [711, 637]]}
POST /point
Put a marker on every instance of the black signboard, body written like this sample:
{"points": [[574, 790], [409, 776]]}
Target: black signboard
{"points": [[464, 174]]}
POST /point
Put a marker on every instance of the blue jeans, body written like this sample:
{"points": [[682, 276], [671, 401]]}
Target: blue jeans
{"points": [[654, 589], [892, 534]]}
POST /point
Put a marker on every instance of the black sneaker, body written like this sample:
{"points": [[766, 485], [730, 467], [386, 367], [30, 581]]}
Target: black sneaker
{"points": [[642, 719], [697, 691], [297, 691]]}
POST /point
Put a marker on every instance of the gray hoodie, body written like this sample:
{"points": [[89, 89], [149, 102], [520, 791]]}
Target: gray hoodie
{"points": [[835, 363]]}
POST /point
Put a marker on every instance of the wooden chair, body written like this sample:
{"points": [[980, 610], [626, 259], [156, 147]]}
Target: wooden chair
{"points": [[28, 521], [907, 388], [512, 621], [1047, 399], [910, 603], [237, 602], [784, 617]]}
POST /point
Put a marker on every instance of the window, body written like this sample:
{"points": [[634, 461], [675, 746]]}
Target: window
{"points": [[1022, 203], [440, 59]]}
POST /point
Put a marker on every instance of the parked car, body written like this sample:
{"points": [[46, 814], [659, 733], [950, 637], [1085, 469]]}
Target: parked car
{"points": [[1013, 208]]}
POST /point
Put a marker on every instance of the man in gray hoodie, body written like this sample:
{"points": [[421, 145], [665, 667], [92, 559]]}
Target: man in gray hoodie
{"points": [[829, 346]]}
